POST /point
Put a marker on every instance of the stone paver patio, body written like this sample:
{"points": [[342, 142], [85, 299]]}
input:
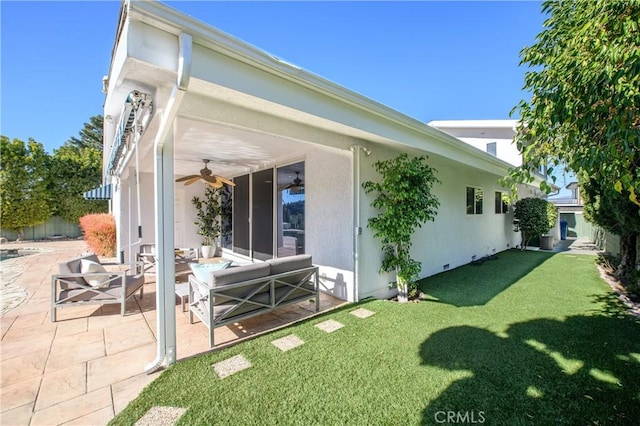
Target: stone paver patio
{"points": [[86, 368]]}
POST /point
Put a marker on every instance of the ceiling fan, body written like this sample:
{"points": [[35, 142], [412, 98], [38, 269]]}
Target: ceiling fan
{"points": [[296, 185], [207, 177]]}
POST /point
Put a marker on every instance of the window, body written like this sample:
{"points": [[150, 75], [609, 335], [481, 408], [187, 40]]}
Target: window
{"points": [[492, 149], [264, 216], [501, 206], [475, 196], [291, 209]]}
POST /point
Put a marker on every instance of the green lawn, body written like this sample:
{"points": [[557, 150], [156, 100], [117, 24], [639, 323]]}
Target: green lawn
{"points": [[530, 338]]}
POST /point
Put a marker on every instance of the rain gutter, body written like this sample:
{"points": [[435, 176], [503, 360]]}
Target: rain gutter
{"points": [[164, 199]]}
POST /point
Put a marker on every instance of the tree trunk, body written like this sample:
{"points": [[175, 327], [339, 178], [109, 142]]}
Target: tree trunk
{"points": [[626, 271], [403, 289], [20, 237]]}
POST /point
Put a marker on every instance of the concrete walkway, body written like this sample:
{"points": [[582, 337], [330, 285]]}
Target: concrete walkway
{"points": [[576, 246], [86, 367]]}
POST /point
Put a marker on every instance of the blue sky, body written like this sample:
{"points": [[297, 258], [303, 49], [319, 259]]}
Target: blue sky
{"points": [[429, 60]]}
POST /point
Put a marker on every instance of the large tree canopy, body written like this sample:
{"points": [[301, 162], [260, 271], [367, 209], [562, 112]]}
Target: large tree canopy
{"points": [[24, 200], [584, 112], [74, 171], [90, 135], [77, 168], [585, 85]]}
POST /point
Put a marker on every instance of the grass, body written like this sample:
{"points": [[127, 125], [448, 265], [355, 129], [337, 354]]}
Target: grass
{"points": [[530, 338]]}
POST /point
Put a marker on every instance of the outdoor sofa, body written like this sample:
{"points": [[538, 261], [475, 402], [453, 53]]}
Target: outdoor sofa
{"points": [[83, 281], [230, 295]]}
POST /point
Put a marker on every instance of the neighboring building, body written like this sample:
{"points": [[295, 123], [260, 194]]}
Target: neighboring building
{"points": [[180, 91], [494, 137]]}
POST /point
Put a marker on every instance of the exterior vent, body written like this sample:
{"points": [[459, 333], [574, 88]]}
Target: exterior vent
{"points": [[445, 267], [473, 257]]}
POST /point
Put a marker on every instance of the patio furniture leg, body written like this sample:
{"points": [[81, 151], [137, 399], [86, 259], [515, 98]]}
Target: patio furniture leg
{"points": [[53, 299], [317, 292]]}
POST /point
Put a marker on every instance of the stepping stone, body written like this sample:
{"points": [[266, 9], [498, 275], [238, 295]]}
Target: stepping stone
{"points": [[161, 416], [329, 326], [288, 342], [231, 366], [362, 313]]}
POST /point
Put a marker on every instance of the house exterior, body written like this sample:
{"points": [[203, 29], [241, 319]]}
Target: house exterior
{"points": [[180, 91], [495, 137]]}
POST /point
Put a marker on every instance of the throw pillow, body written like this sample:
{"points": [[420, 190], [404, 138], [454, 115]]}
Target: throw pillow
{"points": [[201, 270], [96, 281]]}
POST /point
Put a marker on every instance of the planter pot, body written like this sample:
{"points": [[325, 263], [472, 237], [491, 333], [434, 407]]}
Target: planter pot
{"points": [[546, 242], [208, 251]]}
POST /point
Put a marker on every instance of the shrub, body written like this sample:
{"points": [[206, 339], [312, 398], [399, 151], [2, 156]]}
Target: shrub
{"points": [[99, 233], [404, 202], [534, 217]]}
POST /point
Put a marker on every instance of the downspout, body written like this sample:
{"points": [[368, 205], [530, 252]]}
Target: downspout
{"points": [[164, 199], [355, 149]]}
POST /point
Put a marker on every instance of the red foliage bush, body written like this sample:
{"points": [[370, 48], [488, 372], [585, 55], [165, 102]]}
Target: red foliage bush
{"points": [[99, 233]]}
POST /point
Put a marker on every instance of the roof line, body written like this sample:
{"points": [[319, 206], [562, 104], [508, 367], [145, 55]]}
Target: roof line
{"points": [[171, 20]]}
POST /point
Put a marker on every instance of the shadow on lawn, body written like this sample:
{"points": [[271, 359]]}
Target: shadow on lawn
{"points": [[583, 370], [475, 285]]}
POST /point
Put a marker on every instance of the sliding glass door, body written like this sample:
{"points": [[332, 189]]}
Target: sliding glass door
{"points": [[262, 215], [240, 215], [267, 219], [290, 223]]}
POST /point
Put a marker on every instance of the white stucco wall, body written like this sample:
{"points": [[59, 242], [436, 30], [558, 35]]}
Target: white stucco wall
{"points": [[329, 218], [452, 239]]}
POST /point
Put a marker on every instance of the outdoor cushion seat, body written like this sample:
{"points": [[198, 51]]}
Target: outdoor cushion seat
{"points": [[147, 256], [237, 293], [71, 286]]}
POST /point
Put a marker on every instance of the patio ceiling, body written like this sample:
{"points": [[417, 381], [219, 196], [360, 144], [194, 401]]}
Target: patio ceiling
{"points": [[232, 150]]}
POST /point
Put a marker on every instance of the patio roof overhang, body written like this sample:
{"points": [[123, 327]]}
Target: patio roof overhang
{"points": [[245, 109]]}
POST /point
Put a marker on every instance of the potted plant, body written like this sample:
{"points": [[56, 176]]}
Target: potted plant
{"points": [[208, 212], [534, 217]]}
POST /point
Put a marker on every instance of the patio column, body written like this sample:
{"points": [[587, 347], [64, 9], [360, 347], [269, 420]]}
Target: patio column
{"points": [[164, 203], [165, 274]]}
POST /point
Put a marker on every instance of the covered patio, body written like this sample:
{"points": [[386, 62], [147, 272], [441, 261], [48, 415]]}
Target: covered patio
{"points": [[87, 366]]}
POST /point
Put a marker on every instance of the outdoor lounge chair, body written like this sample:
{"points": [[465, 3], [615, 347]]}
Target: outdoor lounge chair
{"points": [[147, 256], [72, 287]]}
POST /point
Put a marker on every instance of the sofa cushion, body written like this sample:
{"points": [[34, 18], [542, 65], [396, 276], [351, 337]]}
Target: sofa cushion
{"points": [[241, 273], [290, 263], [98, 280], [202, 270], [73, 267]]}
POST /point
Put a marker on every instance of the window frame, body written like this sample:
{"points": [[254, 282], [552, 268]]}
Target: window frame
{"points": [[478, 196], [502, 207]]}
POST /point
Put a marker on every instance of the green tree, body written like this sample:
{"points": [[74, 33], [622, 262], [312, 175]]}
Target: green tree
{"points": [[24, 199], [615, 213], [405, 201], [90, 135], [534, 217], [584, 111], [76, 168]]}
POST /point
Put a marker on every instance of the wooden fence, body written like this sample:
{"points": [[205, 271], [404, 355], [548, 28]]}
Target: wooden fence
{"points": [[56, 227]]}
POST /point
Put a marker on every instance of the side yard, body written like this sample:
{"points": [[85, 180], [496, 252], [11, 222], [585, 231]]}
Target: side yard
{"points": [[529, 338]]}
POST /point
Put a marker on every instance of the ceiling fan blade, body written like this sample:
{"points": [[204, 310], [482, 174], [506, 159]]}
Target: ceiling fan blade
{"points": [[225, 180], [192, 180], [182, 179], [215, 184]]}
